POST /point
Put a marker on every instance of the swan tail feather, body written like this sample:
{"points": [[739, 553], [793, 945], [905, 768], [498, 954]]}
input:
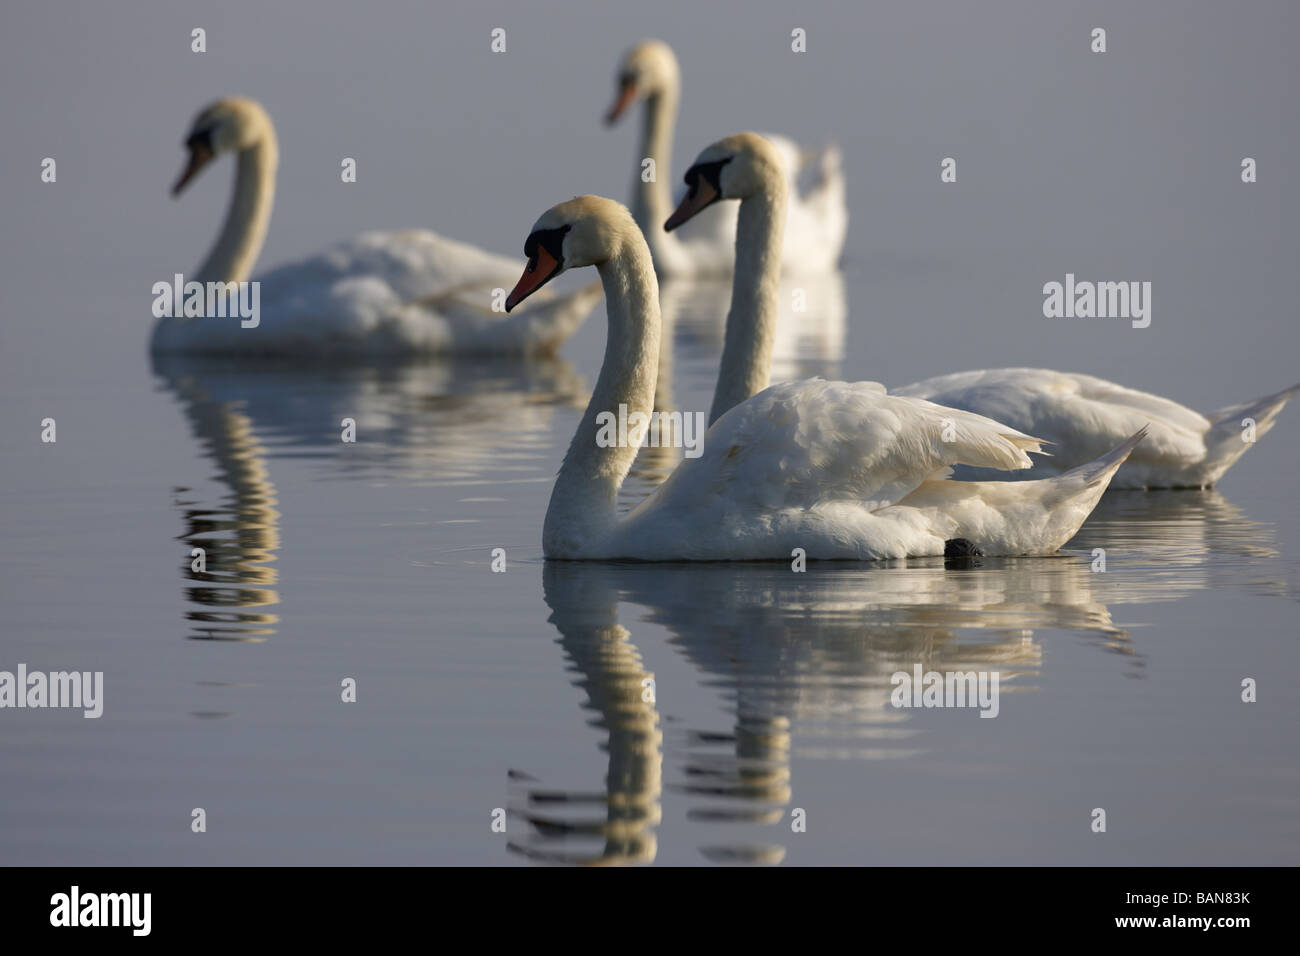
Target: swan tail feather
{"points": [[1019, 517], [1234, 428], [1070, 497], [1103, 469]]}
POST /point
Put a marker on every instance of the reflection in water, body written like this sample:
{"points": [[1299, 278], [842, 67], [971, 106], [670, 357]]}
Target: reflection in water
{"points": [[1189, 538], [620, 691], [421, 423], [803, 661], [240, 540]]}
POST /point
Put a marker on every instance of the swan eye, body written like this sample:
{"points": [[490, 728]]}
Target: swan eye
{"points": [[201, 139], [552, 240], [711, 172]]}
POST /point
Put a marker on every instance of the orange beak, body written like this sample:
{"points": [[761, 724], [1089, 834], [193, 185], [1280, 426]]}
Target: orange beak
{"points": [[626, 96], [697, 199], [536, 274], [200, 156]]}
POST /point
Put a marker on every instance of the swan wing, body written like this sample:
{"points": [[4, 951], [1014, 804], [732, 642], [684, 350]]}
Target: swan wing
{"points": [[800, 444], [411, 265], [1081, 415], [390, 293]]}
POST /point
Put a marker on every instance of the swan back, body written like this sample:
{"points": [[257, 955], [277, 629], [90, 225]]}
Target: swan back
{"points": [[845, 470]]}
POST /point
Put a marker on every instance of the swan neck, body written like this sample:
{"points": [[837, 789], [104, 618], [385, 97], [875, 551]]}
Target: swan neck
{"points": [[751, 322], [244, 230], [654, 202], [584, 502]]}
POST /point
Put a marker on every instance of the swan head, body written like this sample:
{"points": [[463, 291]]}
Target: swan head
{"points": [[648, 69], [736, 167], [585, 231], [228, 125]]}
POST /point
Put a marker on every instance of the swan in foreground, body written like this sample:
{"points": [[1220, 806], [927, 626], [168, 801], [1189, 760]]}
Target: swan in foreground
{"points": [[383, 293], [841, 470], [817, 217], [1079, 415]]}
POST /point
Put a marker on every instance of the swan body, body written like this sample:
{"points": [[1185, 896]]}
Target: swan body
{"points": [[380, 294], [840, 470], [817, 214], [846, 470], [1080, 416]]}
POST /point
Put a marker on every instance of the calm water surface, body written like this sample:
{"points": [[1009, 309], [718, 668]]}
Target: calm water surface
{"points": [[526, 690]]}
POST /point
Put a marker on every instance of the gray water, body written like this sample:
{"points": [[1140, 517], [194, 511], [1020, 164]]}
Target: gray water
{"points": [[524, 690]]}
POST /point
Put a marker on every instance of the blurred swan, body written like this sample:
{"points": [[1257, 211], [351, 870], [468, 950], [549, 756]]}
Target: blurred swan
{"points": [[840, 470], [381, 294], [818, 215], [1081, 416]]}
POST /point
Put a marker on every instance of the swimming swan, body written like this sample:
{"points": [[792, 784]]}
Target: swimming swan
{"points": [[1080, 415], [817, 217], [841, 470], [381, 294]]}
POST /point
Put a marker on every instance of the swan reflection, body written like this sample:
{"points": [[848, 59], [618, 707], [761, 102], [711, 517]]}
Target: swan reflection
{"points": [[241, 538], [803, 661], [616, 824], [423, 423]]}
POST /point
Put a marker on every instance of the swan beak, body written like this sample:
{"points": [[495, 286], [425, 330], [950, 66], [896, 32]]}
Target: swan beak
{"points": [[537, 273], [626, 95], [200, 156], [702, 195]]}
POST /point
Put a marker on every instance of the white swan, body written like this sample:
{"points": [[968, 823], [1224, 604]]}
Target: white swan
{"points": [[840, 470], [817, 217], [383, 293], [1079, 415]]}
